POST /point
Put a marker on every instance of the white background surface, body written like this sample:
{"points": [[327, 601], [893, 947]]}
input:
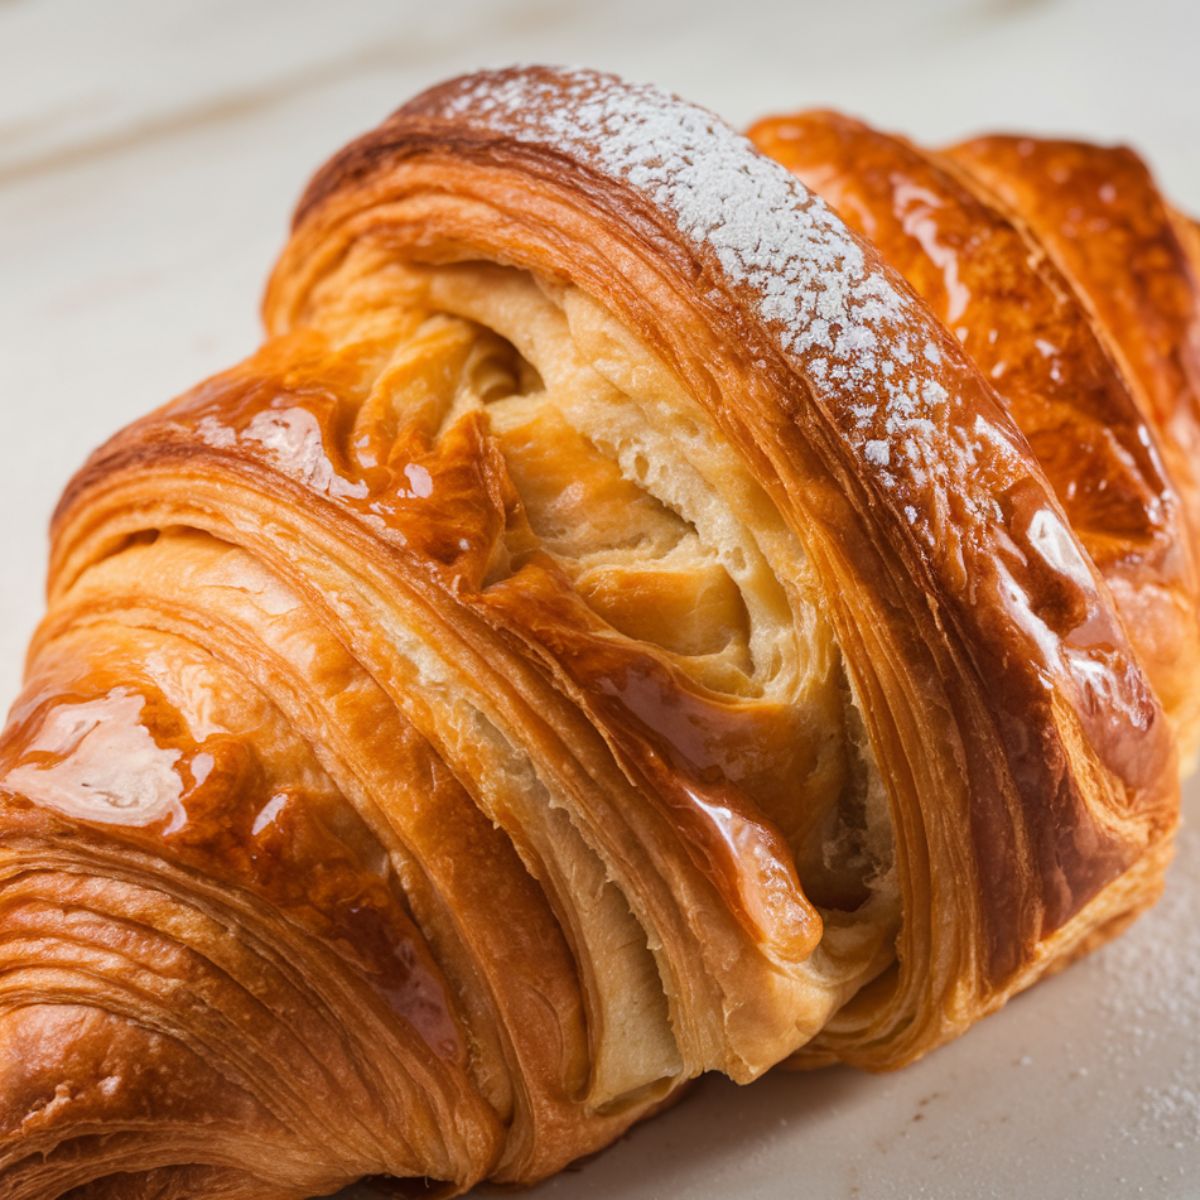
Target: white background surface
{"points": [[150, 152]]}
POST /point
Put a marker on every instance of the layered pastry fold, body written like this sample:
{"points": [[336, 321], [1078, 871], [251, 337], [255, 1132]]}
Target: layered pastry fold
{"points": [[620, 625]]}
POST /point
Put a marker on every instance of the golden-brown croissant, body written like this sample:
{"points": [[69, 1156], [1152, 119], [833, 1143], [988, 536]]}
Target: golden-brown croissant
{"points": [[615, 628]]}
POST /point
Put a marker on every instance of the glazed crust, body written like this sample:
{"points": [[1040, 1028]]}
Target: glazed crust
{"points": [[613, 629], [1048, 338]]}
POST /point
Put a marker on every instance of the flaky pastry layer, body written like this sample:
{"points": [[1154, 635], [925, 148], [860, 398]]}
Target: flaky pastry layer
{"points": [[621, 624]]}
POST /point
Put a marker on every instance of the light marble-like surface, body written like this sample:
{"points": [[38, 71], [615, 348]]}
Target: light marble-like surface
{"points": [[149, 156]]}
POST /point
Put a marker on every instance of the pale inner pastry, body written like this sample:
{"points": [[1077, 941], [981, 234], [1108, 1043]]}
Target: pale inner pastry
{"points": [[626, 489]]}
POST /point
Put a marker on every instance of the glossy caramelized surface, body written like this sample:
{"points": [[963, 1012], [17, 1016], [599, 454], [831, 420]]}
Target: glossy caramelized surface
{"points": [[1057, 269], [611, 630], [1133, 262], [106, 746]]}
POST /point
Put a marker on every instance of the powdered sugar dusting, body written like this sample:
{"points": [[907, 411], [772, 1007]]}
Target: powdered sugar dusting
{"points": [[860, 339]]}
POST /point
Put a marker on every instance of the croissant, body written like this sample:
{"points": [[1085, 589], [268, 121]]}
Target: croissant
{"points": [[620, 625]]}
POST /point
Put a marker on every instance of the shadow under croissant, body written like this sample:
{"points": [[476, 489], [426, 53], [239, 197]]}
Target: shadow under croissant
{"points": [[719, 1125], [714, 1120]]}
